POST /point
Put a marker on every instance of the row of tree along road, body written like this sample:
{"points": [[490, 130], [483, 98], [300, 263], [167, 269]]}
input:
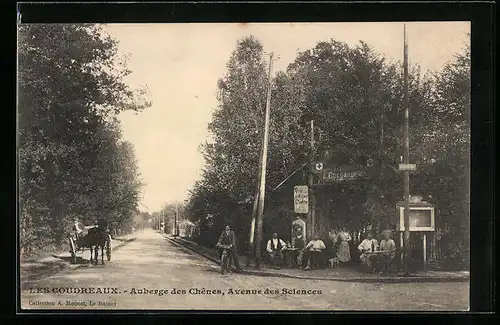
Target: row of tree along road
{"points": [[354, 95], [72, 160]]}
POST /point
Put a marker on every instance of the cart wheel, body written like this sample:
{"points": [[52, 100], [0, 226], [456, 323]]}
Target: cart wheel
{"points": [[108, 248], [72, 250]]}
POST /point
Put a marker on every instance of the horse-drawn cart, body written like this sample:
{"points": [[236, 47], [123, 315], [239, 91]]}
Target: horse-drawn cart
{"points": [[92, 239]]}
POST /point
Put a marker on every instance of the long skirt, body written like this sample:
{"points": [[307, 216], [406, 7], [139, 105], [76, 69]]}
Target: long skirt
{"points": [[344, 253]]}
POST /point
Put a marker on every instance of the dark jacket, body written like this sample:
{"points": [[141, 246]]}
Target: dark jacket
{"points": [[278, 246], [227, 239], [298, 242]]}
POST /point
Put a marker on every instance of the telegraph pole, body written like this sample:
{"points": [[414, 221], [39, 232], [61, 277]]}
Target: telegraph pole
{"points": [[312, 203], [163, 219], [406, 241], [251, 243], [262, 185], [176, 219]]}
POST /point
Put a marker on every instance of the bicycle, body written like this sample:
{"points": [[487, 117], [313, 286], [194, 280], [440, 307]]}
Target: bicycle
{"points": [[225, 261]]}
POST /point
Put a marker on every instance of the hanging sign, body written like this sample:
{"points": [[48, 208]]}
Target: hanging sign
{"points": [[301, 199], [407, 167]]}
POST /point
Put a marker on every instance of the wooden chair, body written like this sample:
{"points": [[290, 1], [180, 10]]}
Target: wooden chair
{"points": [[318, 259], [397, 262]]}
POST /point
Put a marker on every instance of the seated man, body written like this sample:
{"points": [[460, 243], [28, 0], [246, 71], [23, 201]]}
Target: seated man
{"points": [[368, 245], [388, 246], [313, 251], [274, 249], [78, 228]]}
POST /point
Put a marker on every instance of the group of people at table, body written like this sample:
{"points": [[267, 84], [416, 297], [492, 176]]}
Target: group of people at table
{"points": [[372, 253]]}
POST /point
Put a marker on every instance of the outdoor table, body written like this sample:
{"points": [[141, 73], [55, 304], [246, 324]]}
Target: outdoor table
{"points": [[290, 255], [376, 255]]}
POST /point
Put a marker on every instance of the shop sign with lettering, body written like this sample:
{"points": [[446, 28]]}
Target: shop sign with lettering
{"points": [[347, 173]]}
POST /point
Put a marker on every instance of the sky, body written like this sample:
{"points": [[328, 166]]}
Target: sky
{"points": [[180, 64]]}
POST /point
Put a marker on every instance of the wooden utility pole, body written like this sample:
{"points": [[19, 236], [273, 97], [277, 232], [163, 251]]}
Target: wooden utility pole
{"points": [[176, 220], [312, 204], [407, 248], [163, 219], [251, 243], [262, 185]]}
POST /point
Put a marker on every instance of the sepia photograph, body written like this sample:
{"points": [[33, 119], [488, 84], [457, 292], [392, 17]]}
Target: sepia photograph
{"points": [[244, 166]]}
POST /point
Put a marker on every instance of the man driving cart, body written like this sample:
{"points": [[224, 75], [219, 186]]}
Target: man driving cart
{"points": [[79, 230]]}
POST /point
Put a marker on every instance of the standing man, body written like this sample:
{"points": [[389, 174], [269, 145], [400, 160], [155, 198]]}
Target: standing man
{"points": [[388, 246], [228, 237], [274, 249], [298, 242]]}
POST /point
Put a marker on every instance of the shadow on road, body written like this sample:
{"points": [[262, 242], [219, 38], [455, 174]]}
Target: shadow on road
{"points": [[126, 240], [213, 270], [79, 260]]}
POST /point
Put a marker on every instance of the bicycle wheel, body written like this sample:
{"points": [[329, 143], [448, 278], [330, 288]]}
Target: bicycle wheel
{"points": [[223, 262], [228, 264]]}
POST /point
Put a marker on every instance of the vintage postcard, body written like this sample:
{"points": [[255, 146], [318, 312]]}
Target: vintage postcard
{"points": [[257, 166]]}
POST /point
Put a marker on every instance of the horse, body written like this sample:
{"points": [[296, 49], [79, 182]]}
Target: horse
{"points": [[97, 238]]}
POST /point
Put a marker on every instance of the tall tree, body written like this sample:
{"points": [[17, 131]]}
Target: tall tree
{"points": [[232, 159], [237, 127], [354, 96], [445, 150], [68, 91]]}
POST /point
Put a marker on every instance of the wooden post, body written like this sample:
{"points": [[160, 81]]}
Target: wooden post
{"points": [[262, 186], [424, 244], [406, 179], [176, 220], [312, 204], [163, 219], [254, 214], [251, 242]]}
